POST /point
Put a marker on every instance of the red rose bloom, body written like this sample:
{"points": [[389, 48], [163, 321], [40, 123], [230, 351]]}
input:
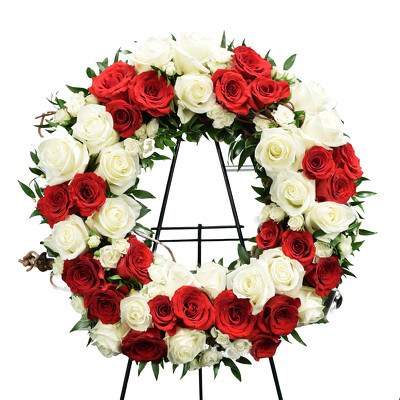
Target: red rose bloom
{"points": [[112, 83], [162, 314], [279, 315], [250, 63], [264, 91], [55, 205], [136, 262], [270, 235], [127, 118], [230, 89], [88, 193], [193, 308], [104, 303], [338, 188], [346, 158], [151, 93], [234, 316], [263, 346], [144, 346], [318, 163], [83, 274], [299, 245], [324, 276]]}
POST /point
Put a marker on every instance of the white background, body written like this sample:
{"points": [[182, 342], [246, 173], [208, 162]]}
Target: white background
{"points": [[349, 47]]}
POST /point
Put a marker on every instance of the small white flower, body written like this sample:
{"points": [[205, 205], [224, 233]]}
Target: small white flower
{"points": [[170, 69], [223, 339], [61, 116], [262, 123], [147, 148], [323, 249], [77, 303], [345, 246], [132, 146], [276, 213], [283, 115], [152, 128], [75, 103], [58, 266], [109, 257], [210, 357], [265, 213], [231, 352], [221, 117], [93, 241], [90, 99], [296, 223], [243, 346], [141, 134], [152, 289], [121, 245], [194, 365]]}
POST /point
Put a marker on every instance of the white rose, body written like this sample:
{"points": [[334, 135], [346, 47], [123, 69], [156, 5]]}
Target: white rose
{"points": [[77, 303], [61, 157], [75, 103], [265, 213], [119, 168], [324, 129], [308, 96], [108, 338], [345, 246], [279, 150], [93, 241], [262, 123], [185, 345], [283, 115], [147, 148], [323, 249], [68, 238], [159, 269], [242, 346], [152, 128], [152, 289], [151, 52], [135, 312], [231, 352], [120, 245], [312, 307], [61, 116], [58, 266], [252, 281], [286, 274], [276, 213], [210, 357], [212, 278], [293, 192], [141, 132], [221, 117], [94, 127], [220, 58], [116, 217], [331, 217], [132, 146], [170, 69], [108, 257], [296, 223], [179, 275], [223, 339], [90, 99]]}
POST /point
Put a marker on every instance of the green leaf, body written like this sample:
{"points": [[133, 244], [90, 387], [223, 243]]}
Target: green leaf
{"points": [[243, 360], [234, 369], [297, 337], [365, 193], [142, 366], [356, 245], [185, 369], [90, 73], [34, 157], [223, 41], [38, 190], [347, 272], [259, 190], [116, 57], [156, 369], [27, 190], [36, 171], [232, 265], [74, 89], [237, 149], [268, 58], [156, 156], [245, 154], [102, 64], [114, 278], [318, 233], [82, 324], [142, 194], [244, 255], [173, 37], [35, 213], [289, 62], [231, 45], [361, 180], [174, 367], [365, 232], [216, 369]]}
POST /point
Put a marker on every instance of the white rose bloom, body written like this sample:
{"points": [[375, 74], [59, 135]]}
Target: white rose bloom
{"points": [[108, 338], [170, 69], [108, 257], [61, 116], [242, 346], [194, 365], [309, 96], [312, 307], [75, 103], [61, 157], [132, 146], [333, 218], [221, 117], [116, 217], [265, 213], [135, 312], [58, 266], [324, 129], [279, 150], [151, 52], [296, 223], [77, 303], [293, 192], [283, 115], [210, 357], [90, 99], [252, 281], [323, 249], [121, 245], [185, 345], [68, 238], [119, 168], [141, 134], [345, 246], [223, 339], [152, 289], [159, 269], [286, 274], [93, 241], [231, 352], [94, 127], [147, 148], [152, 128], [179, 275], [276, 213], [262, 123], [212, 278]]}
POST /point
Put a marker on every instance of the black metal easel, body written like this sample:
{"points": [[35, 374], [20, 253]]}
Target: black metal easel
{"points": [[199, 239]]}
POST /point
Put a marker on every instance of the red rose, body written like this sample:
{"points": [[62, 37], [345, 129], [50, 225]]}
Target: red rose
{"points": [[318, 163], [104, 303], [338, 188], [162, 314], [127, 118], [55, 205], [346, 158], [193, 308], [88, 193], [234, 316], [151, 93], [264, 91], [325, 275], [279, 316], [136, 262], [270, 235], [83, 274], [144, 346], [112, 83], [250, 63], [263, 346], [299, 245], [230, 89]]}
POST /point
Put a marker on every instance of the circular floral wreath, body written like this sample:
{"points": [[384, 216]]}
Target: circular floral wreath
{"points": [[153, 309]]}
